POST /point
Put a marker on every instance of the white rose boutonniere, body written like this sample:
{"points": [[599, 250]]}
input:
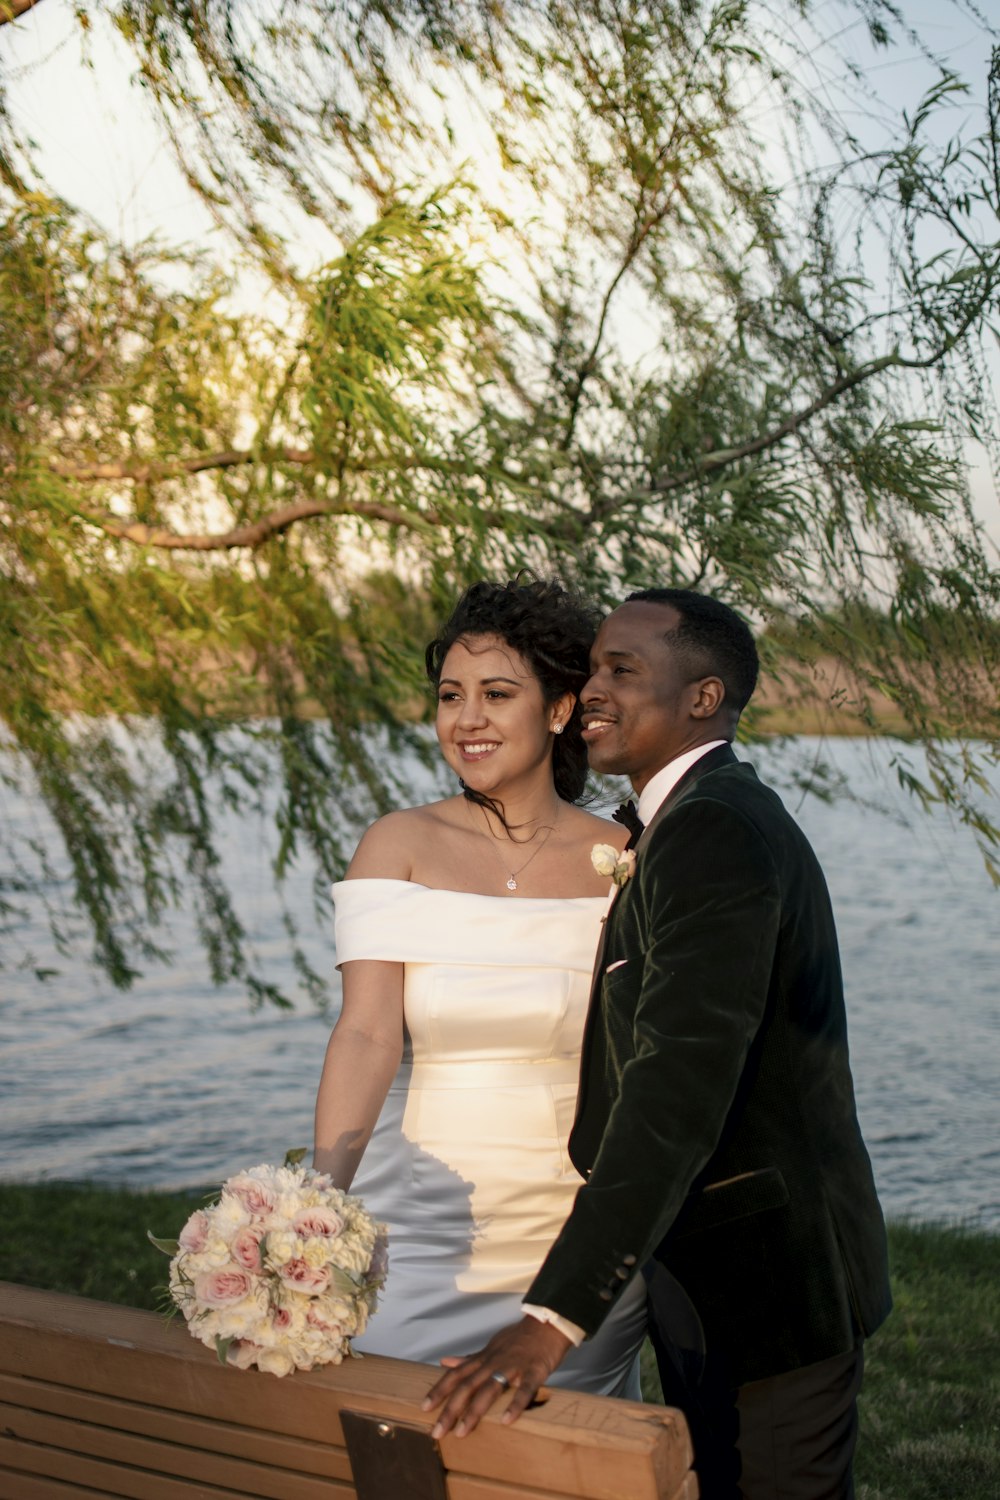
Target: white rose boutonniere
{"points": [[607, 861]]}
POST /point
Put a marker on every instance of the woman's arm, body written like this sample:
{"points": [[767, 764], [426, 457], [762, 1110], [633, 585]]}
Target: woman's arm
{"points": [[366, 1044], [362, 1057]]}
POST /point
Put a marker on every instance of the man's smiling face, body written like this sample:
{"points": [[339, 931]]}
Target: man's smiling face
{"points": [[637, 702]]}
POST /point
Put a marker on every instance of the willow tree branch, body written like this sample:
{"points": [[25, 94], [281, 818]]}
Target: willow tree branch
{"points": [[10, 10], [146, 473], [723, 457], [642, 228], [640, 234], [152, 471], [257, 532]]}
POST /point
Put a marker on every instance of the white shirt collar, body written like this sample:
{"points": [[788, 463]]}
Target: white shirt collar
{"points": [[658, 787]]}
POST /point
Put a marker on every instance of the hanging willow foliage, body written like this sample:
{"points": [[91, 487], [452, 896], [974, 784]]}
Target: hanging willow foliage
{"points": [[650, 348]]}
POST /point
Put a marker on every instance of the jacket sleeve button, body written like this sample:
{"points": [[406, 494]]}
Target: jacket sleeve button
{"points": [[605, 1295], [628, 1260]]}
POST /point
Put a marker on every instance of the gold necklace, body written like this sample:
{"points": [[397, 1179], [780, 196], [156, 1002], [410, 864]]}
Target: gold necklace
{"points": [[511, 881]]}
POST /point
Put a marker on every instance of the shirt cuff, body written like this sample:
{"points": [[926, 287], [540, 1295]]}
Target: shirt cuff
{"points": [[562, 1325]]}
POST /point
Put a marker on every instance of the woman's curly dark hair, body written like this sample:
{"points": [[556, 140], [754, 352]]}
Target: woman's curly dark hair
{"points": [[553, 630]]}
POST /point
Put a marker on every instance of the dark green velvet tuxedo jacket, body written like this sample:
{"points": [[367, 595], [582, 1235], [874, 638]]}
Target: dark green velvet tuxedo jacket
{"points": [[716, 1125]]}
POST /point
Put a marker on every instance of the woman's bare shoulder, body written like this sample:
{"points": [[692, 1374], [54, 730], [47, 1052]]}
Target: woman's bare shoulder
{"points": [[587, 825], [386, 850]]}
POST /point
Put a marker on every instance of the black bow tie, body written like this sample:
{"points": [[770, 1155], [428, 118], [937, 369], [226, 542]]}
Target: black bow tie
{"points": [[628, 816]]}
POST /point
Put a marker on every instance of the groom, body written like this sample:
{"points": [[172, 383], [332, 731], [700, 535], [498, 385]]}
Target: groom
{"points": [[716, 1126]]}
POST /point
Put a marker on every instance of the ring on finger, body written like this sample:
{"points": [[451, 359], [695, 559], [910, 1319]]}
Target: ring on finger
{"points": [[501, 1380]]}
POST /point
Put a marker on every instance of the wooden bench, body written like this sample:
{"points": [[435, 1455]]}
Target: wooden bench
{"points": [[100, 1400]]}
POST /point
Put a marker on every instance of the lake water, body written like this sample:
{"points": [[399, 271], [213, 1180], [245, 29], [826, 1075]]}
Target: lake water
{"points": [[176, 1083]]}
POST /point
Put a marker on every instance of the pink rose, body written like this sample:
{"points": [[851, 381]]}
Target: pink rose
{"points": [[245, 1248], [194, 1235], [257, 1198], [315, 1319], [317, 1221], [281, 1318], [221, 1288], [304, 1277]]}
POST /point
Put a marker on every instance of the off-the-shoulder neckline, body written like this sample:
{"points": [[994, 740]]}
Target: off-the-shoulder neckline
{"points": [[443, 890]]}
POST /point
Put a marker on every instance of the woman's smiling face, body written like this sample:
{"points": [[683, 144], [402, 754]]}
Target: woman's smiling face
{"points": [[493, 724]]}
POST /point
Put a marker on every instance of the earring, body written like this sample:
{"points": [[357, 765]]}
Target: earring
{"points": [[557, 729]]}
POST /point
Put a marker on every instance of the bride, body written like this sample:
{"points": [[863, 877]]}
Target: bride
{"points": [[465, 933]]}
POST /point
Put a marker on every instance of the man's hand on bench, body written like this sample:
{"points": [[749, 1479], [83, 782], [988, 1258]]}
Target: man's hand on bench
{"points": [[519, 1358]]}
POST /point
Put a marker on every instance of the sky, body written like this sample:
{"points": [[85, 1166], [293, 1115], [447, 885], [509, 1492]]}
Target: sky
{"points": [[98, 146]]}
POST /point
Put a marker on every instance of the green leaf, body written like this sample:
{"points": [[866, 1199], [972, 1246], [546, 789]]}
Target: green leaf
{"points": [[343, 1281], [222, 1348], [168, 1247]]}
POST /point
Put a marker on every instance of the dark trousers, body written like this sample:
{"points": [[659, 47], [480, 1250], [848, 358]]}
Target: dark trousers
{"points": [[791, 1437]]}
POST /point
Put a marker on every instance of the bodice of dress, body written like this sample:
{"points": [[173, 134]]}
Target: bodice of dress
{"points": [[468, 1162], [498, 985]]}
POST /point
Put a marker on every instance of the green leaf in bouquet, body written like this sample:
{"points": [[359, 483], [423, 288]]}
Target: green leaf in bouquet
{"points": [[169, 1247], [295, 1155], [222, 1347], [343, 1282]]}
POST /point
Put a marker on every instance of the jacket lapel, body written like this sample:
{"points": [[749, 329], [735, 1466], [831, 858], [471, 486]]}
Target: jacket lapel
{"points": [[723, 755]]}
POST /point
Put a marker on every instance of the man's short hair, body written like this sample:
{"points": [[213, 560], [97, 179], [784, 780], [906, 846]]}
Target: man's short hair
{"points": [[711, 640]]}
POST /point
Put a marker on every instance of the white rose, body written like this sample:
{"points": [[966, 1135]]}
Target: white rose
{"points": [[316, 1253], [240, 1320], [604, 858], [351, 1256], [275, 1362], [227, 1216], [287, 1207], [212, 1257], [282, 1247]]}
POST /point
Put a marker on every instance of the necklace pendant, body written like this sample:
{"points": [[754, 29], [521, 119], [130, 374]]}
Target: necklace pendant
{"points": [[511, 883]]}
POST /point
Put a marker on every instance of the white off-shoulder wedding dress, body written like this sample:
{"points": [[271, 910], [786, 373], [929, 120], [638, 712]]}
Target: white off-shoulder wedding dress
{"points": [[468, 1162]]}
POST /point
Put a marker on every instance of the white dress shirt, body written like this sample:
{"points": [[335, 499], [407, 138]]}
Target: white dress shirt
{"points": [[661, 784], [651, 799]]}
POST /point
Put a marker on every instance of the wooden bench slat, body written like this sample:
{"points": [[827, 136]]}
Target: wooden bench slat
{"points": [[468, 1487], [293, 1454], [170, 1389], [34, 1487], [184, 1462], [474, 1487], [118, 1479]]}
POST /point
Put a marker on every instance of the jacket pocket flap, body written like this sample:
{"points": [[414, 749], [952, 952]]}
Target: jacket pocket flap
{"points": [[736, 1198]]}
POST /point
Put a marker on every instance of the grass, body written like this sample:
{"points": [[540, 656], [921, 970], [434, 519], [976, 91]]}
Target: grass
{"points": [[71, 1237], [930, 1408]]}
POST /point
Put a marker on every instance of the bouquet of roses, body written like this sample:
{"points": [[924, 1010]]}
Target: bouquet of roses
{"points": [[282, 1272]]}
